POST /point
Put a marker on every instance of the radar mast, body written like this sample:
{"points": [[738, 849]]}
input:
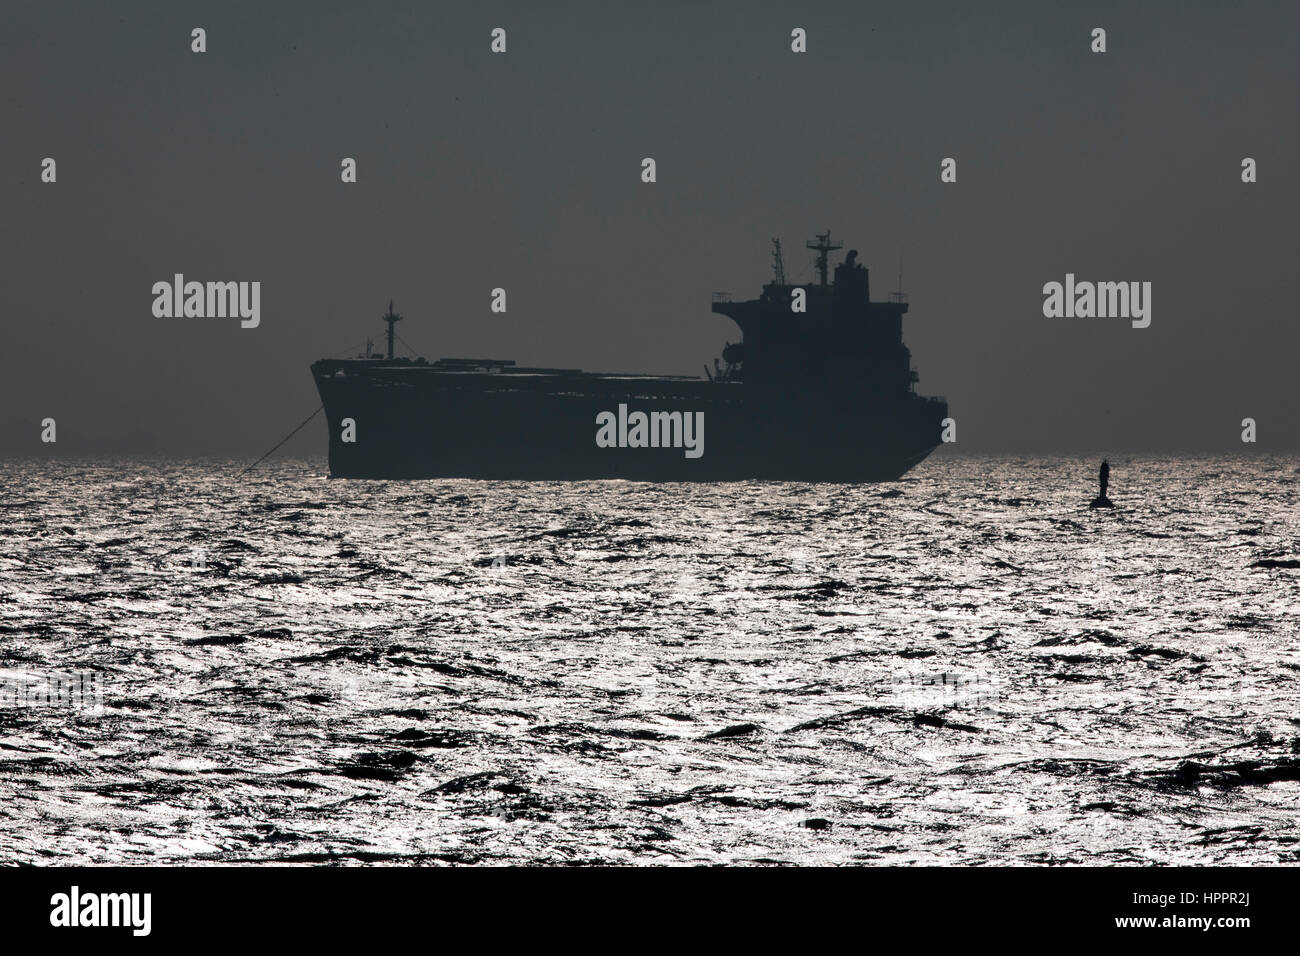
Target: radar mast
{"points": [[824, 246]]}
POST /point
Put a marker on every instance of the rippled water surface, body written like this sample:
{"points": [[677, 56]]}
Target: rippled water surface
{"points": [[966, 666]]}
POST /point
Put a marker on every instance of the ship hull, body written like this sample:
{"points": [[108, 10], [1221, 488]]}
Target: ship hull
{"points": [[413, 422]]}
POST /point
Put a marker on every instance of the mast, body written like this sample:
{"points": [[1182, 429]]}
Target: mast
{"points": [[391, 318], [778, 263], [824, 246], [899, 296]]}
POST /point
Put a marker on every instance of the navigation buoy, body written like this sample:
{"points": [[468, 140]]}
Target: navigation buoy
{"points": [[1101, 501]]}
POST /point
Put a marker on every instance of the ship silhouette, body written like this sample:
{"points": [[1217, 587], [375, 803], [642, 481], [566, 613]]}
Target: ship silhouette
{"points": [[825, 394]]}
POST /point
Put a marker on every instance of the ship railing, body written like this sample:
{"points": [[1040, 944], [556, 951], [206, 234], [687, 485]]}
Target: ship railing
{"points": [[722, 297], [898, 297]]}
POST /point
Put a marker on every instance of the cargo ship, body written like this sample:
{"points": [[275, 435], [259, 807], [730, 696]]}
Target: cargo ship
{"points": [[820, 387]]}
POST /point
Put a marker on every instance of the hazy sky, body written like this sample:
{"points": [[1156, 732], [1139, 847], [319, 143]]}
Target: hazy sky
{"points": [[522, 171]]}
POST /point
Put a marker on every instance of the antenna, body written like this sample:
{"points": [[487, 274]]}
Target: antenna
{"points": [[899, 296], [391, 318], [778, 263], [824, 246]]}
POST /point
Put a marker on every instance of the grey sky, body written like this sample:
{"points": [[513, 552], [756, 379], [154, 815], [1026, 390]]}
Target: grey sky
{"points": [[523, 171]]}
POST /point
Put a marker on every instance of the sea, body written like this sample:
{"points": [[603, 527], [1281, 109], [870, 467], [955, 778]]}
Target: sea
{"points": [[966, 666]]}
